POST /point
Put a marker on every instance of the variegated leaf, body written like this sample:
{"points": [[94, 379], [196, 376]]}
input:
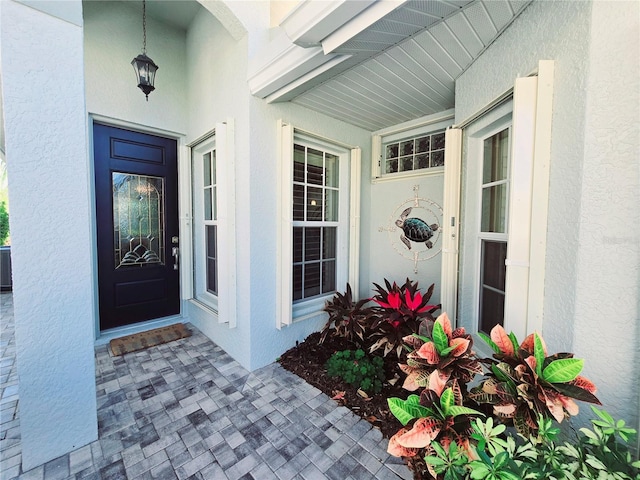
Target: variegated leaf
{"points": [[429, 352], [397, 450], [410, 382], [562, 371], [502, 340], [444, 321], [461, 345], [424, 431]]}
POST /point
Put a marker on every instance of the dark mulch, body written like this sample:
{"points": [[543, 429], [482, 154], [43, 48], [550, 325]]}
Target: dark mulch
{"points": [[307, 360]]}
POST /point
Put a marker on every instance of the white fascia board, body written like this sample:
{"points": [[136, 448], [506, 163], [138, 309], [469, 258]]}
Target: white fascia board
{"points": [[357, 25], [296, 87], [287, 66], [312, 20]]}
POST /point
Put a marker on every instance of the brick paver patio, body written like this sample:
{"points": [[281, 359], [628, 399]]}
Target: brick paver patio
{"points": [[187, 410]]}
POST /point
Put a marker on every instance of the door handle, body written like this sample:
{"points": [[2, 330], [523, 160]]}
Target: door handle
{"points": [[175, 252]]}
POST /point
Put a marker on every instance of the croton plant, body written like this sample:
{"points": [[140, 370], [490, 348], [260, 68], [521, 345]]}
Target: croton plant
{"points": [[437, 346], [524, 382]]}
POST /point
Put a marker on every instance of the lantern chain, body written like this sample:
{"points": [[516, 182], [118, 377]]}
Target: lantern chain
{"points": [[144, 27]]}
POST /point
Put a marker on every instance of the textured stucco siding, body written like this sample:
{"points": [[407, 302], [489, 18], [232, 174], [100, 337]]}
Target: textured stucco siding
{"points": [[607, 290], [217, 91], [591, 285], [113, 37], [268, 342], [46, 149]]}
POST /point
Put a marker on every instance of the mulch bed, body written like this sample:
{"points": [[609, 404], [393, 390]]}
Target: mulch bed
{"points": [[307, 360]]}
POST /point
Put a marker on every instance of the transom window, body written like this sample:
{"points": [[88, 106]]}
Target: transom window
{"points": [[415, 153]]}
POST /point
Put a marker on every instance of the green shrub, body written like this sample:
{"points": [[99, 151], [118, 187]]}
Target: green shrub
{"points": [[4, 223], [600, 453], [356, 369]]}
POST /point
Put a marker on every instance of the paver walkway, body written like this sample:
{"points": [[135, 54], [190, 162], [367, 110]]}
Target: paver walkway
{"points": [[187, 410]]}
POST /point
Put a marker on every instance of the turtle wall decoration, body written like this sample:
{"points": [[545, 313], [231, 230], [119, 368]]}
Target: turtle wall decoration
{"points": [[415, 229]]}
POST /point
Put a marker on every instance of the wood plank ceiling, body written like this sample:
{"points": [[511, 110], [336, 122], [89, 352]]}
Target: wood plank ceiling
{"points": [[409, 60]]}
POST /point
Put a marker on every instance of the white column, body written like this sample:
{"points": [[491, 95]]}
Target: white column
{"points": [[49, 190]]}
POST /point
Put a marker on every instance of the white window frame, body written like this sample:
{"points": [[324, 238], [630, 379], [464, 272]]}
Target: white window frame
{"points": [[477, 136], [348, 230], [415, 128], [527, 227], [223, 305]]}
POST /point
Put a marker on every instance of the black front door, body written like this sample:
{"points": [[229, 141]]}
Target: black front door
{"points": [[137, 226]]}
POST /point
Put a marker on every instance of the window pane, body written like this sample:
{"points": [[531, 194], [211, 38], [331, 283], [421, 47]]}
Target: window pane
{"points": [[391, 151], [392, 166], [437, 158], [422, 161], [212, 281], [297, 243], [206, 159], [214, 202], [213, 167], [331, 170], [329, 242], [406, 148], [297, 282], [298, 202], [494, 270], [328, 276], [208, 215], [494, 209], [298, 163], [314, 204], [496, 157], [491, 309], [311, 244], [422, 144], [311, 279], [211, 241], [437, 141], [314, 167], [331, 209], [212, 271], [406, 164]]}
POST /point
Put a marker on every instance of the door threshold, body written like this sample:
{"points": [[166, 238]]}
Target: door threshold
{"points": [[107, 335]]}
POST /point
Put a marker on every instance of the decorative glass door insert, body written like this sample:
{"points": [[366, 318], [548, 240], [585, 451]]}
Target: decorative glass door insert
{"points": [[138, 219]]}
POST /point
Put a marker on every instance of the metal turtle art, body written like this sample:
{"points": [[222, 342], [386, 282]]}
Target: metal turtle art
{"points": [[415, 229]]}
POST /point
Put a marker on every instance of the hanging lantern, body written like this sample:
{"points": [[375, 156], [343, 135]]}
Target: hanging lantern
{"points": [[144, 67]]}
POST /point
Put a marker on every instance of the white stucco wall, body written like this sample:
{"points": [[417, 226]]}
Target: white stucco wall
{"points": [[591, 287], [113, 37], [388, 257], [607, 291], [216, 79], [268, 342], [217, 90], [42, 67]]}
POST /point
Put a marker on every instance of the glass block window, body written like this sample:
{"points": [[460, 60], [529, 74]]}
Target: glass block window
{"points": [[315, 221], [416, 153]]}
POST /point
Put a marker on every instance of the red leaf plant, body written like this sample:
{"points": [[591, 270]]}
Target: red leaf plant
{"points": [[399, 313]]}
